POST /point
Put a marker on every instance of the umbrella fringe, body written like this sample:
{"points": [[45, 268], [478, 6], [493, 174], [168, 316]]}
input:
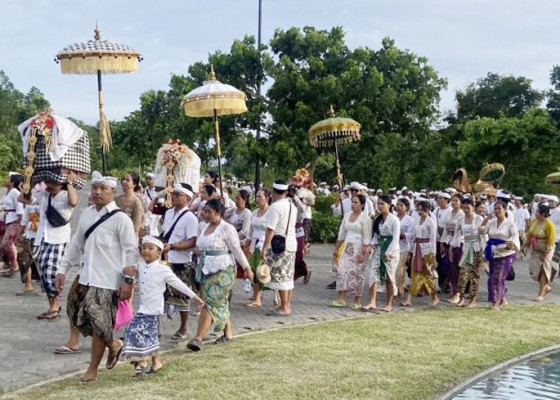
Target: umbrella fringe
{"points": [[107, 64], [105, 140]]}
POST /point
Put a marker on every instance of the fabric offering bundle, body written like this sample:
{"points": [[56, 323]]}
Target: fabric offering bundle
{"points": [[53, 146]]}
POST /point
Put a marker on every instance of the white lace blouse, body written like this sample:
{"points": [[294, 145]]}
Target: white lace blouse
{"points": [[224, 237]]}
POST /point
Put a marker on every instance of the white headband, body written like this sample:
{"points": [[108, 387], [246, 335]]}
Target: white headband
{"points": [[97, 178], [12, 173], [280, 186], [150, 175], [178, 188], [153, 240]]}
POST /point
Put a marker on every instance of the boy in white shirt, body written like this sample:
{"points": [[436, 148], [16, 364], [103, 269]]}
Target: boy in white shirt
{"points": [[141, 336]]}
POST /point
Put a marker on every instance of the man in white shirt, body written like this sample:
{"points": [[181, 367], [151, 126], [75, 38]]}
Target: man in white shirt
{"points": [[180, 228], [56, 205], [281, 222], [346, 203], [107, 259]]}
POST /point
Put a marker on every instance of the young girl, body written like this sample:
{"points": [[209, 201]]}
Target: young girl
{"points": [[141, 336]]}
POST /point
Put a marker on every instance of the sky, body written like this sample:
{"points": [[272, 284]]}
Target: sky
{"points": [[462, 39]]}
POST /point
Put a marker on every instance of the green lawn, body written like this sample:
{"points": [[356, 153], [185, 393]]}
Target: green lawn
{"points": [[402, 355]]}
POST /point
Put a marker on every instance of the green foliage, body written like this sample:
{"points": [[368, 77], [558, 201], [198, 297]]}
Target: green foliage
{"points": [[324, 225], [496, 95]]}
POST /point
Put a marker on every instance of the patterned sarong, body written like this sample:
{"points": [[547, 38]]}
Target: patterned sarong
{"points": [[92, 309], [282, 269], [174, 297], [141, 337], [49, 257], [350, 274], [215, 292]]}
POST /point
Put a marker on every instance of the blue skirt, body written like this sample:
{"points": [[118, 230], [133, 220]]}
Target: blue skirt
{"points": [[141, 337]]}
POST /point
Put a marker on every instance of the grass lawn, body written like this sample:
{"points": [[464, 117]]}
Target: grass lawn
{"points": [[402, 355]]}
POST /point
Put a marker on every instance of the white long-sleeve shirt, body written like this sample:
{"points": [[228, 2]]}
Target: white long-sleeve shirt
{"points": [[110, 248], [390, 227], [507, 231], [152, 278], [424, 229]]}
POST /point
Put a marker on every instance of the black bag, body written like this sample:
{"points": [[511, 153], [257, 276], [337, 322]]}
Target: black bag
{"points": [[278, 242], [511, 274], [165, 238], [53, 216]]}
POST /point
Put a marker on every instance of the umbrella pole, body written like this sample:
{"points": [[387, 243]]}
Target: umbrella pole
{"points": [[218, 148], [338, 176], [100, 102]]}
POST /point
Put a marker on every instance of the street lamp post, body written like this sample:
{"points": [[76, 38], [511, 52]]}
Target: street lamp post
{"points": [[259, 37]]}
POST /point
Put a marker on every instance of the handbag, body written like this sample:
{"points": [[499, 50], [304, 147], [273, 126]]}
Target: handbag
{"points": [[511, 274], [56, 220], [263, 273], [278, 242], [124, 314]]}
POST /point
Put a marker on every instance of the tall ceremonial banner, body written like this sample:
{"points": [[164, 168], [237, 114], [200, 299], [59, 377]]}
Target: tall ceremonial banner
{"points": [[53, 146]]}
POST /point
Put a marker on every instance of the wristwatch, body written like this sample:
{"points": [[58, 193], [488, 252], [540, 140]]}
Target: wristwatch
{"points": [[128, 279]]}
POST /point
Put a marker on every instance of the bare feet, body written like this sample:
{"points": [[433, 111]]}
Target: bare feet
{"points": [[387, 309], [405, 304], [503, 303], [539, 299], [471, 304], [461, 303], [434, 302], [89, 377]]}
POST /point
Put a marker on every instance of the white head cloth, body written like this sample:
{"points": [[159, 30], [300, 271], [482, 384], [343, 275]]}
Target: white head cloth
{"points": [[180, 189], [98, 179], [153, 240]]}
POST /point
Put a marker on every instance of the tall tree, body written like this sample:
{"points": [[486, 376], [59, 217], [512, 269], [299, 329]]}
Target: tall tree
{"points": [[496, 95]]}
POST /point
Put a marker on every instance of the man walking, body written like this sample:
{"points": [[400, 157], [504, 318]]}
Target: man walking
{"points": [[180, 228], [107, 271], [281, 223]]}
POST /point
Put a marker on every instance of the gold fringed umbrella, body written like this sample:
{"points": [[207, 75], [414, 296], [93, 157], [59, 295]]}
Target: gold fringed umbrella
{"points": [[214, 99], [97, 57], [553, 179], [331, 132]]}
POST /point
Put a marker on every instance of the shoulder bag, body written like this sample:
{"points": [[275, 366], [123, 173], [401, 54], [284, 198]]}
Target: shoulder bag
{"points": [[278, 242]]}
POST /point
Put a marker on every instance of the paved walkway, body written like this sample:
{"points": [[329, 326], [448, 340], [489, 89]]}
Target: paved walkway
{"points": [[26, 344]]}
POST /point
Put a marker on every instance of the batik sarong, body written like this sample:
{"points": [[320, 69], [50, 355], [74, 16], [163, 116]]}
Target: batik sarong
{"points": [[350, 274], [282, 268], [215, 290], [141, 337]]}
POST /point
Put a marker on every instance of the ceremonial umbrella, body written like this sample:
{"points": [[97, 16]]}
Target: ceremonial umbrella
{"points": [[332, 131], [553, 179], [99, 57], [214, 99]]}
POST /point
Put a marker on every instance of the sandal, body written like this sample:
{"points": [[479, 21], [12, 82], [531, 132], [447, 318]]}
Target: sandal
{"points": [[355, 307], [112, 361], [253, 305], [307, 278], [140, 370], [179, 336], [336, 304], [194, 345], [223, 339], [50, 315]]}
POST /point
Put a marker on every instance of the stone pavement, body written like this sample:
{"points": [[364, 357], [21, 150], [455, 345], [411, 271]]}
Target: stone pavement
{"points": [[26, 344]]}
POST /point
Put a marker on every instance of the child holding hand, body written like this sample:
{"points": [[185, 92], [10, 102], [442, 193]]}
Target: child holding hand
{"points": [[141, 336]]}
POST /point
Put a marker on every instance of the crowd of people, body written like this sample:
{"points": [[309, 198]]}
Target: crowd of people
{"points": [[401, 243]]}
